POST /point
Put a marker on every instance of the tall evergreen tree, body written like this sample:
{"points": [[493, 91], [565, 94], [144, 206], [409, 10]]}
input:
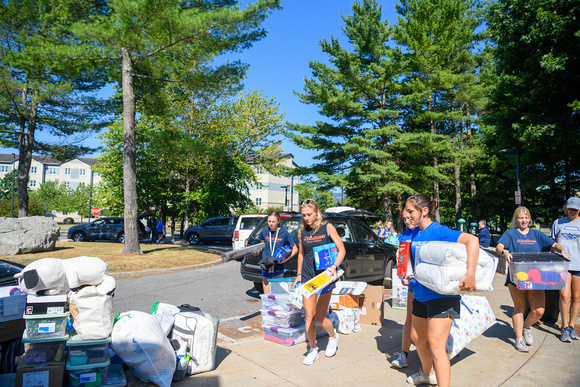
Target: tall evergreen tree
{"points": [[38, 92], [358, 94], [149, 45], [534, 105], [444, 94]]}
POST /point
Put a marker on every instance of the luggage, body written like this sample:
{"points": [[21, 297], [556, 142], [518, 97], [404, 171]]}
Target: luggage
{"points": [[199, 330]]}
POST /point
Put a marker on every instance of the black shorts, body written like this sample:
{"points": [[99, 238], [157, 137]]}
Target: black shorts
{"points": [[446, 307]]}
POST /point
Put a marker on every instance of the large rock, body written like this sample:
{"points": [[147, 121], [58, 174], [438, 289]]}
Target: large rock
{"points": [[27, 235]]}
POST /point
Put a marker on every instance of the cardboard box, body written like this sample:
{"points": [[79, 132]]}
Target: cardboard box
{"points": [[346, 301], [372, 305], [47, 375], [45, 304]]}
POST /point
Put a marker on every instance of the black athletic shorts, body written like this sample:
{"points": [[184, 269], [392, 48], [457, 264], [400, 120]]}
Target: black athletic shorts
{"points": [[446, 307]]}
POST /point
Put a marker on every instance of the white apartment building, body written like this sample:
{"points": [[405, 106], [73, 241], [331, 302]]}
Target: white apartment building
{"points": [[276, 191], [45, 168]]}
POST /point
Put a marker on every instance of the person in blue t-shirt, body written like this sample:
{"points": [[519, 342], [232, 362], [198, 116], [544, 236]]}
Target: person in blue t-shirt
{"points": [[433, 313], [484, 234], [522, 239], [409, 281], [275, 237]]}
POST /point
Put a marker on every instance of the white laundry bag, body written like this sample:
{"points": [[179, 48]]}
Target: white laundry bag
{"points": [[140, 341], [91, 309]]}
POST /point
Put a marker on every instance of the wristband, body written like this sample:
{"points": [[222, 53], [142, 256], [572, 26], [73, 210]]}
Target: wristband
{"points": [[335, 267]]}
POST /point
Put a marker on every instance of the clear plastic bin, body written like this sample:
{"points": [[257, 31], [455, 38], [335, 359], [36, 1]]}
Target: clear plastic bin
{"points": [[282, 318], [12, 307], [275, 301], [44, 326], [538, 271], [286, 336], [41, 351], [83, 352], [281, 285], [83, 376]]}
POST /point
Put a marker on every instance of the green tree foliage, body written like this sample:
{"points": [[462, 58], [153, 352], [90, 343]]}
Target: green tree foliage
{"points": [[534, 104], [442, 90], [150, 45], [196, 162], [358, 94], [39, 92]]}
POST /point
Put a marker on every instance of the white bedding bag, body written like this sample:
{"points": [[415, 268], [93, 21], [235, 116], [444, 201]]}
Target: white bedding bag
{"points": [[199, 331], [91, 309], [140, 341], [441, 265]]}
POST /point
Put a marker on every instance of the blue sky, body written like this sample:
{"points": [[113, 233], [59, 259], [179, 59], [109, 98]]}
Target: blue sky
{"points": [[279, 62]]}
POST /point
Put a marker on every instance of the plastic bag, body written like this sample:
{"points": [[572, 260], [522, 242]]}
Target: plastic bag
{"points": [[140, 342], [164, 314]]}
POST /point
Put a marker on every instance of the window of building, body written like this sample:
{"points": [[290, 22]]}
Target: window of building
{"points": [[4, 168], [67, 184], [82, 172], [53, 171], [259, 170], [32, 183], [259, 186], [258, 201], [67, 171], [32, 170]]}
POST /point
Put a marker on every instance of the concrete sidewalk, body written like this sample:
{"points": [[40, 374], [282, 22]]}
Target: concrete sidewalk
{"points": [[490, 360]]}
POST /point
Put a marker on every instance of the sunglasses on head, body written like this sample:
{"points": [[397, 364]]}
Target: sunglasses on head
{"points": [[306, 202]]}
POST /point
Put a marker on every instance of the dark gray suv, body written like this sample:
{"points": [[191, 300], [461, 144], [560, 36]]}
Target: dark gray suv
{"points": [[107, 228], [367, 258], [218, 229]]}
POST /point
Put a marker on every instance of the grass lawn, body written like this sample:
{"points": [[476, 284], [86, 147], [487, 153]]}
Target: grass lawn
{"points": [[153, 257]]}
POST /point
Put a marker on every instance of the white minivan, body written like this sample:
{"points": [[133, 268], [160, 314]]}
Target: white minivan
{"points": [[244, 227]]}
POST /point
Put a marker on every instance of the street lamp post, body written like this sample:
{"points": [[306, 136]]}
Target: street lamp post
{"points": [[517, 167], [12, 188], [285, 194], [90, 193]]}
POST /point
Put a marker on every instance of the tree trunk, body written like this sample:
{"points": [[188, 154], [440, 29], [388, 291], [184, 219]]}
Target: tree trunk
{"points": [[387, 208], [129, 164], [472, 183], [25, 151], [457, 177], [435, 164]]}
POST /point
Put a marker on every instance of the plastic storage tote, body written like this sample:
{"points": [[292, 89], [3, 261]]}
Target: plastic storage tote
{"points": [[281, 285], [12, 307], [44, 326], [83, 352], [275, 301], [538, 271], [40, 351], [282, 318], [286, 336], [93, 375]]}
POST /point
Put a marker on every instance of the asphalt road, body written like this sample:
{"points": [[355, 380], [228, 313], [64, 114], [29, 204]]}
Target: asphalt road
{"points": [[218, 290]]}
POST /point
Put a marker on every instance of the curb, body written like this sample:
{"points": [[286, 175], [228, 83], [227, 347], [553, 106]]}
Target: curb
{"points": [[168, 270]]}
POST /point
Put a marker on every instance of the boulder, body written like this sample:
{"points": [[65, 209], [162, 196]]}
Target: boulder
{"points": [[27, 235]]}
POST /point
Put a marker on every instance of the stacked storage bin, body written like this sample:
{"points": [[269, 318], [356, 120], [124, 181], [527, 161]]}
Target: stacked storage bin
{"points": [[88, 361], [45, 336], [281, 323]]}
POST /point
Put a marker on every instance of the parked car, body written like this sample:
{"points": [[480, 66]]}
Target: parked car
{"points": [[367, 258], [218, 229], [107, 228], [7, 271], [244, 226]]}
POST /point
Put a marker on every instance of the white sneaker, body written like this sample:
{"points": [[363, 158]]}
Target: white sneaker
{"points": [[332, 345], [419, 378], [401, 361], [311, 357], [528, 336], [521, 346]]}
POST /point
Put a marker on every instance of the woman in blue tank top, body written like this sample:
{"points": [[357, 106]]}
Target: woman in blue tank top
{"points": [[314, 231]]}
